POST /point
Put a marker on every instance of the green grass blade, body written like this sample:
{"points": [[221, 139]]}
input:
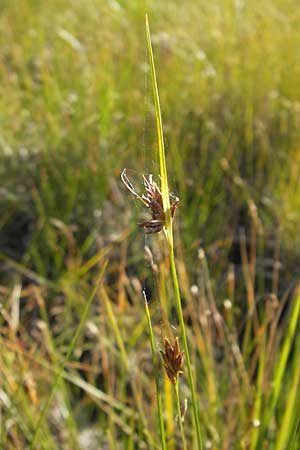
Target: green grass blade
{"points": [[160, 137], [283, 358], [124, 357], [286, 426]]}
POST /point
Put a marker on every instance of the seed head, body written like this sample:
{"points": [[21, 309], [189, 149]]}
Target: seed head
{"points": [[173, 359]]}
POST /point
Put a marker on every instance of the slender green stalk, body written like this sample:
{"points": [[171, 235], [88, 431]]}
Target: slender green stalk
{"points": [[158, 394], [185, 346], [176, 386], [169, 233], [125, 359], [69, 353]]}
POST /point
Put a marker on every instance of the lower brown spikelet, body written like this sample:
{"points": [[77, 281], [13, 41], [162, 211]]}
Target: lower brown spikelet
{"points": [[173, 359]]}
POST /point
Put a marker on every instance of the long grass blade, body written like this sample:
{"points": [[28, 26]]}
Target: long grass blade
{"points": [[160, 138], [282, 363]]}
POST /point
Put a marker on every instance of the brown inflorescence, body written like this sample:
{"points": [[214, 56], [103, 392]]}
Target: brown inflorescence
{"points": [[153, 201], [173, 359]]}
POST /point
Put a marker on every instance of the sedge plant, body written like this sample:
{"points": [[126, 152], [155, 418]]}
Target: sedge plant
{"points": [[168, 229]]}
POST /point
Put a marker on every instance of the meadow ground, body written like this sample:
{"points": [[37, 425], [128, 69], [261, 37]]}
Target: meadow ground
{"points": [[76, 107]]}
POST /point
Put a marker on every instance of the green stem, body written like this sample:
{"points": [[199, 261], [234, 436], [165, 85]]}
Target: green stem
{"points": [[185, 346], [179, 415], [125, 359], [158, 394]]}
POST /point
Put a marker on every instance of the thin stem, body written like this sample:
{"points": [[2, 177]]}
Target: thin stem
{"points": [[125, 359], [176, 386], [185, 347], [158, 394]]}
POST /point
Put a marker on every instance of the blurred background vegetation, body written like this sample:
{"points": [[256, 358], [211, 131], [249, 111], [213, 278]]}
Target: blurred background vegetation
{"points": [[75, 109]]}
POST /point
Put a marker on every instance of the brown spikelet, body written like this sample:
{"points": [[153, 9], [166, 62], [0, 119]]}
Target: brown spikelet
{"points": [[173, 359]]}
